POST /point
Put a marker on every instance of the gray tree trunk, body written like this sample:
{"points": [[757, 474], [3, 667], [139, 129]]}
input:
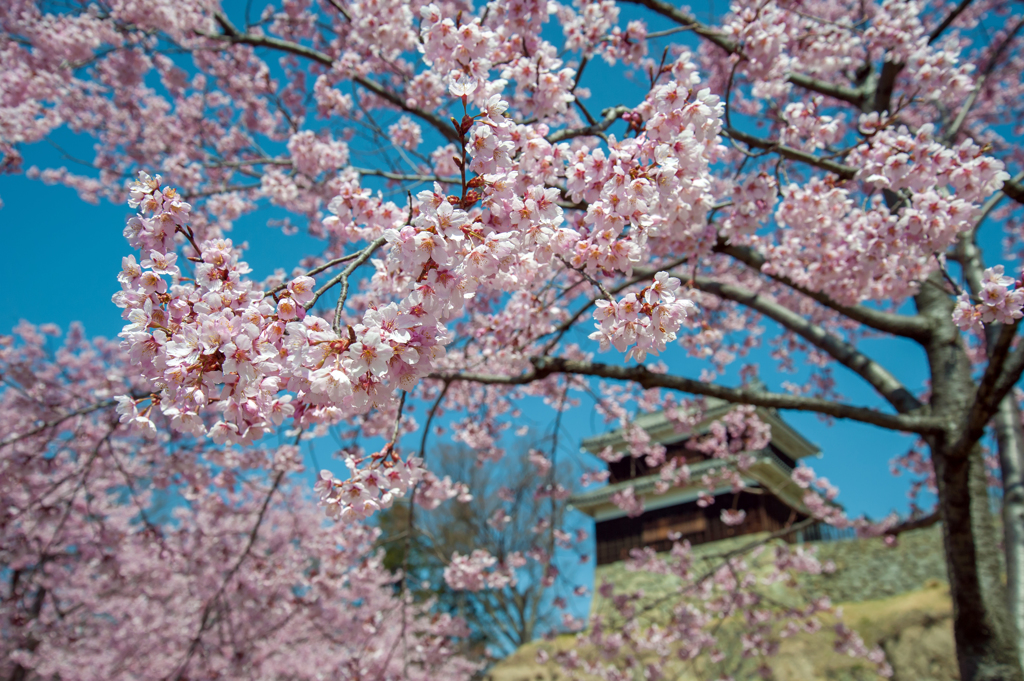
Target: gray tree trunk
{"points": [[986, 639], [1010, 439]]}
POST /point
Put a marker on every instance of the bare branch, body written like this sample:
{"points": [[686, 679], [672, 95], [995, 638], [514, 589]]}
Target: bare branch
{"points": [[205, 622], [1014, 189], [220, 190], [544, 367], [993, 61], [845, 353], [233, 35], [916, 327], [854, 96], [583, 273], [405, 177], [316, 270], [885, 85], [683, 19], [375, 172], [342, 277], [11, 439], [950, 18], [844, 171], [608, 116], [435, 121]]}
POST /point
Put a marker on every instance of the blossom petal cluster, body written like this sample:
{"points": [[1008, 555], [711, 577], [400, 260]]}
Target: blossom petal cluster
{"points": [[998, 302], [642, 323], [479, 570]]}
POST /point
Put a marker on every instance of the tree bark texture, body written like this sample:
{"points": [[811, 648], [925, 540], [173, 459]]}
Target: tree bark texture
{"points": [[1010, 440], [986, 640]]}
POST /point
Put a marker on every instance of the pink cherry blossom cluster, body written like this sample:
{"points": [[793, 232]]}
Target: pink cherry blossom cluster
{"points": [[214, 339], [313, 155], [642, 323], [735, 436], [936, 190], [765, 34], [753, 197], [850, 642], [367, 490], [628, 501], [998, 302], [112, 582], [672, 474], [808, 129], [819, 498], [461, 51], [480, 570], [681, 131], [702, 599]]}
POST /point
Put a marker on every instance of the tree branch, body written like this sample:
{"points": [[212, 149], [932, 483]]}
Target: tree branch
{"points": [[357, 259], [688, 21], [915, 327], [639, 275], [11, 439], [406, 177], [233, 35], [855, 96], [993, 201], [950, 18], [313, 272], [1003, 371], [609, 116], [843, 352], [544, 367], [844, 171], [208, 608], [885, 85]]}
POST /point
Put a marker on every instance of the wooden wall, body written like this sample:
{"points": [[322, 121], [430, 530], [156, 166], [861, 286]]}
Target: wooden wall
{"points": [[699, 525]]}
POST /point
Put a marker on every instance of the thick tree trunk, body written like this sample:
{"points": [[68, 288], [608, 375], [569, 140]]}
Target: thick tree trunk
{"points": [[986, 640], [1010, 439], [985, 637]]}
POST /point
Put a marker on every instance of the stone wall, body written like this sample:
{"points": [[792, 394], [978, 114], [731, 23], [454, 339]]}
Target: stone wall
{"points": [[915, 629], [894, 596], [867, 569]]}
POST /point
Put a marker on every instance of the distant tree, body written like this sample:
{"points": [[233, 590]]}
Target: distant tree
{"points": [[512, 518]]}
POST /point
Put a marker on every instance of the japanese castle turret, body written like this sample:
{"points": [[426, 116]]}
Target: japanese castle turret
{"points": [[772, 503]]}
